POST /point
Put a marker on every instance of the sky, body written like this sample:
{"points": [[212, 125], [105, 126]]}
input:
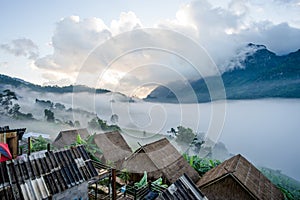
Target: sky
{"points": [[49, 42]]}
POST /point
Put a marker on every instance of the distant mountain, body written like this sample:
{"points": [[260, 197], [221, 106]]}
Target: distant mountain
{"points": [[260, 74], [21, 84]]}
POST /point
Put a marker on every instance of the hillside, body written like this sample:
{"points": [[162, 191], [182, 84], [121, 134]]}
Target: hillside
{"points": [[261, 74], [21, 84]]}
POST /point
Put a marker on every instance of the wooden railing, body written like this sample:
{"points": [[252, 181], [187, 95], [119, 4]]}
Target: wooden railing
{"points": [[139, 193]]}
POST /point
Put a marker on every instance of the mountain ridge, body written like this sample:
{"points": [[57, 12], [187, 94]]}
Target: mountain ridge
{"points": [[20, 83], [262, 74]]}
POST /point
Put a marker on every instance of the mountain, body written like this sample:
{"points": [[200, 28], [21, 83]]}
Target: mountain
{"points": [[21, 84], [260, 74]]}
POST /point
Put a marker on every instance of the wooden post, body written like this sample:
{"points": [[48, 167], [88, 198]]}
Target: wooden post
{"points": [[29, 140], [114, 188], [48, 147]]}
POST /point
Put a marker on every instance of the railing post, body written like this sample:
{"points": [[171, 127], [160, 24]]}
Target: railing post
{"points": [[114, 188], [29, 141]]}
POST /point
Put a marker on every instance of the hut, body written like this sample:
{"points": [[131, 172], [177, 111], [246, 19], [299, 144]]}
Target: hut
{"points": [[114, 148], [62, 174], [11, 137], [68, 137], [159, 159], [237, 178]]}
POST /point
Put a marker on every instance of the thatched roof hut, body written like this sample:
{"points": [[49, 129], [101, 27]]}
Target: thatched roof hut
{"points": [[66, 138], [237, 178], [113, 146], [160, 159]]}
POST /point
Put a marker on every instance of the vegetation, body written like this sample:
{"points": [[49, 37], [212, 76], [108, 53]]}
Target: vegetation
{"points": [[184, 135], [46, 104], [89, 145], [6, 80], [38, 144], [289, 187], [9, 108], [125, 175], [98, 124], [114, 118], [201, 165], [49, 115]]}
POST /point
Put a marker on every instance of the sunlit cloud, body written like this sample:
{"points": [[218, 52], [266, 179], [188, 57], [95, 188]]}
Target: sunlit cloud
{"points": [[221, 30]]}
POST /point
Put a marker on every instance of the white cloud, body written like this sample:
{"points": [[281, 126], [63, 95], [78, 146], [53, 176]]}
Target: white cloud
{"points": [[127, 22], [221, 30], [21, 47]]}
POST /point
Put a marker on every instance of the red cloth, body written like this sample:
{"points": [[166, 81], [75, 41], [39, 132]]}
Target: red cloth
{"points": [[5, 152]]}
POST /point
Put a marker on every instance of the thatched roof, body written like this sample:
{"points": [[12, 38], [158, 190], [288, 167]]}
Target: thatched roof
{"points": [[113, 146], [239, 169], [160, 158], [66, 138]]}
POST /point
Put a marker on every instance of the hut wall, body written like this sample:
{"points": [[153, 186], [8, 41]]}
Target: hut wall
{"points": [[226, 189]]}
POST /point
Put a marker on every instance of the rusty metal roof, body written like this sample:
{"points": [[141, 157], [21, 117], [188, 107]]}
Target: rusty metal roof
{"points": [[44, 174]]}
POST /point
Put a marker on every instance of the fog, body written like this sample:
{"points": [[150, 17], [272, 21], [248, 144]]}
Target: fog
{"points": [[265, 131]]}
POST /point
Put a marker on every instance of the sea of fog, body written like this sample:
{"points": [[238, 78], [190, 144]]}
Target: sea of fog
{"points": [[265, 131]]}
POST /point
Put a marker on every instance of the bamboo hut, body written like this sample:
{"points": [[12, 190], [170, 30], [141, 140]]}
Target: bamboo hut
{"points": [[114, 148], [159, 159], [66, 138], [237, 178]]}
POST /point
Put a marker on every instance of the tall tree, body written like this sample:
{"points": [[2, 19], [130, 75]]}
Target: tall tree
{"points": [[6, 99], [49, 115]]}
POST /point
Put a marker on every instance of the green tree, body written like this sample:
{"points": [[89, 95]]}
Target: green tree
{"points": [[125, 175], [15, 110], [98, 124], [39, 144], [114, 118], [184, 135], [89, 145], [6, 99], [49, 115], [201, 165]]}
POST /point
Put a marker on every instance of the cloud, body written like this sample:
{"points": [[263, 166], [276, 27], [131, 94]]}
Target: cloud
{"points": [[221, 30], [273, 36], [74, 39], [21, 47], [4, 64]]}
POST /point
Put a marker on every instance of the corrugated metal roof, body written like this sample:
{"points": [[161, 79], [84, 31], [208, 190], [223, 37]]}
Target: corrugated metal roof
{"points": [[182, 188], [45, 173]]}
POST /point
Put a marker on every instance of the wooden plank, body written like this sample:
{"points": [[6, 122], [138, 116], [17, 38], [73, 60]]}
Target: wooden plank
{"points": [[11, 134]]}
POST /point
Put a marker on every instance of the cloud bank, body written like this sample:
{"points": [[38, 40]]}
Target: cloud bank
{"points": [[221, 29]]}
